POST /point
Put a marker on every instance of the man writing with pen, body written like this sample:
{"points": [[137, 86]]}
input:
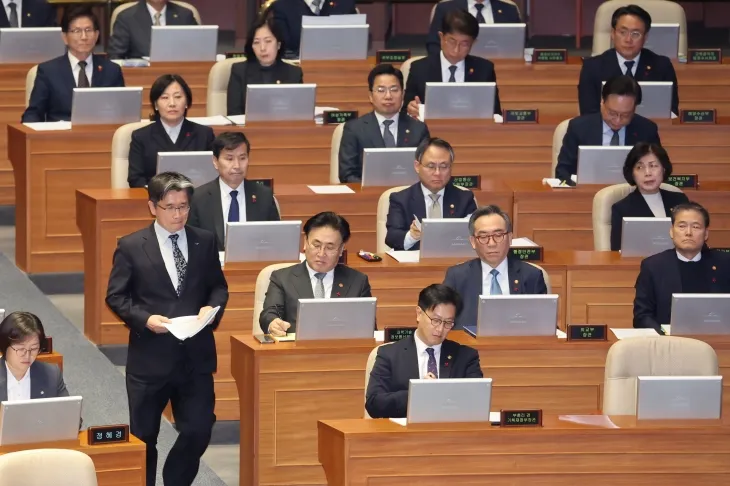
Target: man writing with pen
{"points": [[319, 276]]}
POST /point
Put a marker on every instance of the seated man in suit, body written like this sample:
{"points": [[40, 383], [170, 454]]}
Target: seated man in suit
{"points": [[287, 14], [384, 127], [493, 272], [452, 64], [425, 355], [690, 268], [630, 26], [319, 276], [484, 11], [427, 198], [56, 79], [616, 124], [27, 13], [132, 34], [230, 197]]}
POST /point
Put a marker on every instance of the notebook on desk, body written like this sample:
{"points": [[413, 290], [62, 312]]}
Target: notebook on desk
{"points": [[599, 164], [280, 102], [656, 99], [460, 100], [516, 315], [263, 241], [663, 39], [445, 238], [338, 318], [388, 167], [451, 400], [105, 106], [678, 397], [643, 237], [334, 42], [31, 45], [184, 43], [197, 166], [696, 314], [40, 420], [500, 41]]}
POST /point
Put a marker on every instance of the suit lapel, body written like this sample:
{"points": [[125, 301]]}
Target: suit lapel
{"points": [[474, 285], [186, 136], [97, 72], [418, 202], [373, 131], [434, 71], [514, 277], [3, 381], [447, 358], [215, 209], [301, 281], [67, 76], [162, 138], [470, 73], [643, 70], [193, 257], [152, 249], [411, 358], [642, 208], [596, 133], [615, 68], [37, 389], [404, 130], [632, 137], [253, 210], [450, 200], [172, 16], [340, 285]]}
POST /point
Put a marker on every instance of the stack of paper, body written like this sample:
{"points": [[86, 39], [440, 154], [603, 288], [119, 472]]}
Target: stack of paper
{"points": [[188, 326], [132, 62], [558, 184], [627, 333], [523, 242], [290, 336], [211, 121], [400, 256], [667, 329], [49, 126], [237, 119], [494, 417], [332, 189]]}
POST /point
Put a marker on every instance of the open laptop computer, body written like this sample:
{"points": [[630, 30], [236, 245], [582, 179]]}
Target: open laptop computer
{"points": [[656, 99], [30, 45], [663, 39], [388, 167], [280, 102], [445, 238], [678, 397], [516, 315], [197, 166], [333, 43], [106, 106], [345, 19], [184, 43], [339, 318], [40, 420], [452, 400], [263, 241], [500, 41], [694, 314], [460, 100], [643, 237], [598, 164]]}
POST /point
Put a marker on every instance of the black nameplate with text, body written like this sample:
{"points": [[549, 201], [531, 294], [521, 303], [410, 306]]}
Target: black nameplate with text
{"points": [[587, 332], [704, 56], [108, 434], [392, 56], [47, 346], [264, 182], [527, 253], [520, 116], [551, 56], [392, 334], [473, 182], [725, 250], [520, 418], [684, 181], [235, 54], [705, 117], [340, 116]]}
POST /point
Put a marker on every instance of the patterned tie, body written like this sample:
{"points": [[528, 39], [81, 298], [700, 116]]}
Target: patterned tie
{"points": [[495, 289], [387, 134], [319, 286], [180, 265], [158, 15], [434, 212], [13, 14], [452, 78], [629, 66], [83, 79], [316, 6], [233, 216], [480, 17], [614, 139], [431, 368]]}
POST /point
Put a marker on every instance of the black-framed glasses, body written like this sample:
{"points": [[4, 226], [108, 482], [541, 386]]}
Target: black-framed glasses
{"points": [[484, 239], [437, 321], [173, 209]]}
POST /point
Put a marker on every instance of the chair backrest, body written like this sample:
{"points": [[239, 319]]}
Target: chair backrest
{"points": [[217, 95], [131, 4], [433, 10], [29, 83], [262, 285], [368, 369], [558, 136], [406, 68], [545, 277], [120, 153], [40, 467], [602, 203], [380, 229], [335, 154], [651, 356], [661, 11]]}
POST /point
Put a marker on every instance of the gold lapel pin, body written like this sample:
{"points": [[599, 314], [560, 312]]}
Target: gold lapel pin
{"points": [[517, 281], [28, 14], [499, 11], [341, 285], [408, 131], [714, 267], [648, 68], [448, 357], [174, 15], [42, 392], [278, 82], [451, 206]]}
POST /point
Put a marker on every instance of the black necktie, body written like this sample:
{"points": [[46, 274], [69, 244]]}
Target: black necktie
{"points": [[83, 79], [13, 14], [480, 17], [629, 66], [233, 211], [452, 78], [614, 139]]}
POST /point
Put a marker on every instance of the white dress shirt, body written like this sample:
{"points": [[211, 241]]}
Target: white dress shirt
{"points": [[695, 258], [153, 12], [502, 277], [608, 135], [408, 241], [423, 357], [76, 69], [172, 132], [226, 202], [328, 281], [622, 60], [446, 73], [18, 390], [18, 9], [315, 10], [486, 11], [163, 238], [656, 204], [393, 127]]}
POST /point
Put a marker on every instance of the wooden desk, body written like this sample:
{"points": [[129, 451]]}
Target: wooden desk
{"points": [[116, 464], [380, 452], [52, 358]]}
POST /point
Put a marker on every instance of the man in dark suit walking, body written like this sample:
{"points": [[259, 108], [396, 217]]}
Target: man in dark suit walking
{"points": [[384, 127], [493, 273], [616, 124], [453, 64], [56, 79], [630, 26], [425, 355], [27, 13], [230, 197], [132, 34], [161, 272], [319, 276], [433, 197], [484, 11]]}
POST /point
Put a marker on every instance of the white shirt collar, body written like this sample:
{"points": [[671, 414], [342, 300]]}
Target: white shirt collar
{"points": [[312, 272], [17, 2], [381, 119], [11, 376], [622, 59], [226, 189], [460, 66], [74, 61], [427, 193], [609, 131], [153, 12], [163, 235], [472, 4], [695, 258], [502, 268], [421, 346], [170, 130]]}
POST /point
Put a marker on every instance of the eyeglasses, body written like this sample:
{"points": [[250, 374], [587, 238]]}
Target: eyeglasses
{"points": [[326, 249], [634, 34], [181, 209], [436, 322], [77, 32], [619, 116], [432, 167], [463, 45], [652, 166], [484, 239], [381, 90], [23, 352]]}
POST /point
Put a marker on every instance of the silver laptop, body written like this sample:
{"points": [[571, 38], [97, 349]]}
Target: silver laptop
{"points": [[198, 166], [459, 100], [643, 237], [445, 238], [30, 45], [663, 39], [106, 106], [40, 420], [656, 99], [280, 102], [263, 241], [388, 167], [678, 397], [500, 41], [598, 164], [451, 400], [339, 318], [346, 19], [333, 43], [184, 43], [2, 314], [694, 314], [517, 315]]}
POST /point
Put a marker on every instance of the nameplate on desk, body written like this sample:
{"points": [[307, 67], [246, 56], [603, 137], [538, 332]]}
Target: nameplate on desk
{"points": [[264, 182], [684, 181], [467, 181], [392, 334], [47, 346], [339, 116], [552, 56], [705, 117], [520, 418], [722, 249], [392, 56], [527, 253], [587, 332], [705, 56], [520, 116], [108, 434], [235, 54]]}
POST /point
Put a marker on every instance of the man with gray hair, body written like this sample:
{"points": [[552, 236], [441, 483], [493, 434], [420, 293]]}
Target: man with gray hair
{"points": [[163, 271], [493, 273]]}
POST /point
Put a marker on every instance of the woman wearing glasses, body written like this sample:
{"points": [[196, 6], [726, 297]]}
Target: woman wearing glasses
{"points": [[21, 376]]}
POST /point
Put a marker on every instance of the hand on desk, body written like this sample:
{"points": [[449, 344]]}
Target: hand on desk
{"points": [[415, 231], [154, 324], [278, 327], [413, 107]]}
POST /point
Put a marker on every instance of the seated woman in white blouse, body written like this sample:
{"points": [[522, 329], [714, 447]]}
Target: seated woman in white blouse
{"points": [[646, 167], [21, 376]]}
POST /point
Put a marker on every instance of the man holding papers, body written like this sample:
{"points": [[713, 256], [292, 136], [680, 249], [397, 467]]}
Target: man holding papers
{"points": [[162, 272], [425, 355], [433, 197], [493, 273]]}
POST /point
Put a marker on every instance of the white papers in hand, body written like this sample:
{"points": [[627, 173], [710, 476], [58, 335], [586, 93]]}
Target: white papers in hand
{"points": [[188, 326], [405, 256], [626, 333], [333, 189], [49, 126]]}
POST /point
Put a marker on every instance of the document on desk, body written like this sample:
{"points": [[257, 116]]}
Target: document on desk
{"points": [[413, 256], [626, 333], [211, 121], [523, 242], [558, 184], [332, 189], [494, 417], [597, 420], [49, 126], [188, 326], [290, 336]]}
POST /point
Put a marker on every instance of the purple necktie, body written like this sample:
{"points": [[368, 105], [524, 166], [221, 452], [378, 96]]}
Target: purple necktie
{"points": [[431, 368]]}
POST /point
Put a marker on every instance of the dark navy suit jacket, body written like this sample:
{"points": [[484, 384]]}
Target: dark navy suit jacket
{"points": [[634, 206], [288, 16], [33, 13]]}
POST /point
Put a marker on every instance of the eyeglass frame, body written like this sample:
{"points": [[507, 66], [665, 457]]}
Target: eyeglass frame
{"points": [[23, 352], [634, 34], [393, 90], [77, 32], [325, 251], [174, 209], [448, 325], [440, 167], [494, 237]]}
